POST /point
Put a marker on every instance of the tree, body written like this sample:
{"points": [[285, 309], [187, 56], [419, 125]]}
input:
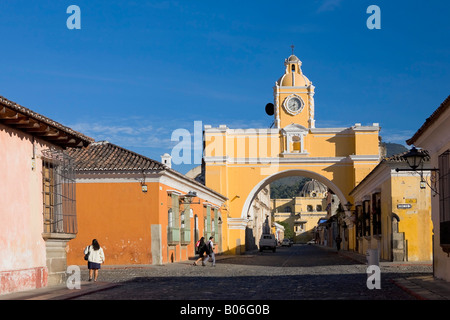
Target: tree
{"points": [[287, 188], [288, 232]]}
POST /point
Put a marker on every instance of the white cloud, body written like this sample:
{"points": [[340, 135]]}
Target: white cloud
{"points": [[396, 136], [126, 134], [329, 5]]}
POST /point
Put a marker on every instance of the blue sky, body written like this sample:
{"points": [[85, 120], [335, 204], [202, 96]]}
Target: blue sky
{"points": [[138, 70]]}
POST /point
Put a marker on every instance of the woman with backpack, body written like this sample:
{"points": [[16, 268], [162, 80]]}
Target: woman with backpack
{"points": [[202, 248]]}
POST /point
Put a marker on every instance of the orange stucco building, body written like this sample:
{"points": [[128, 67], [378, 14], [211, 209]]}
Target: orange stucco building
{"points": [[140, 210]]}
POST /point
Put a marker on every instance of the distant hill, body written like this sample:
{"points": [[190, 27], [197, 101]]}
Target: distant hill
{"points": [[288, 187], [393, 148], [288, 181]]}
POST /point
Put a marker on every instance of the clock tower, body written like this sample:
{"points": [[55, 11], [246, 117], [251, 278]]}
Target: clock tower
{"points": [[293, 97]]}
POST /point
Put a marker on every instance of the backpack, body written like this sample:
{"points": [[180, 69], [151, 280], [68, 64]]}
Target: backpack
{"points": [[208, 248], [203, 248]]}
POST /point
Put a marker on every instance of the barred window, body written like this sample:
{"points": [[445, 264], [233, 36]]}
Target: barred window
{"points": [[376, 213], [58, 179], [444, 198], [366, 218], [444, 186], [359, 221]]}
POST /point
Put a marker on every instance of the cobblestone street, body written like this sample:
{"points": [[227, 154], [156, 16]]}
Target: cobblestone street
{"points": [[291, 273]]}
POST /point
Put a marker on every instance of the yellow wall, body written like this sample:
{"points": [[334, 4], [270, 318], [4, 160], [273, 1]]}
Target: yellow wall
{"points": [[398, 188], [238, 161], [299, 213], [415, 222], [237, 180]]}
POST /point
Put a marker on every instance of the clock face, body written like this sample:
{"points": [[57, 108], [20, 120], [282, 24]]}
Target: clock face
{"points": [[294, 105]]}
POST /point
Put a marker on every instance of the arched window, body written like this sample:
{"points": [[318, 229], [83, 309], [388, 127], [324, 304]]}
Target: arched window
{"points": [[319, 207], [309, 208]]}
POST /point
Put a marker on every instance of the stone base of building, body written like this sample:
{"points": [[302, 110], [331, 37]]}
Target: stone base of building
{"points": [[56, 254]]}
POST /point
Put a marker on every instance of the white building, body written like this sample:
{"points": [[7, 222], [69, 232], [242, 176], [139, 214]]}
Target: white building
{"points": [[434, 136]]}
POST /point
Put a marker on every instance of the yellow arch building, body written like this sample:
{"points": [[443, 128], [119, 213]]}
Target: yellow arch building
{"points": [[239, 163]]}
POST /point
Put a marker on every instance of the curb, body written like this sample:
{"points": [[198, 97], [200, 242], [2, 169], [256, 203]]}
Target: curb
{"points": [[405, 286], [80, 292], [59, 292]]}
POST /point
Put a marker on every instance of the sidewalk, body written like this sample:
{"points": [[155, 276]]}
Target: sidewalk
{"points": [[60, 292], [424, 287]]}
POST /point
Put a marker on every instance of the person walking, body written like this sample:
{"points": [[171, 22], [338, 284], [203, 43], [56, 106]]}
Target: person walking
{"points": [[201, 251], [338, 242], [96, 257], [210, 246]]}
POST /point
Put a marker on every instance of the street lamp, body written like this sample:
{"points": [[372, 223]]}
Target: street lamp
{"points": [[188, 198], [414, 158]]}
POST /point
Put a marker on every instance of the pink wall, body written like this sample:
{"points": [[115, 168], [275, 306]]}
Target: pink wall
{"points": [[22, 248]]}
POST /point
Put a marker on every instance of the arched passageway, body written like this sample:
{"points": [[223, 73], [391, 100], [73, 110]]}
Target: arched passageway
{"points": [[289, 173]]}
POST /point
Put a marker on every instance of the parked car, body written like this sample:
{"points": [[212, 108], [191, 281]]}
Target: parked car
{"points": [[286, 243], [267, 241]]}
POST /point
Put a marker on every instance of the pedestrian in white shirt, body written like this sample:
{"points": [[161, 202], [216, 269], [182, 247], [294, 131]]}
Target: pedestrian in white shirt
{"points": [[211, 255], [96, 257]]}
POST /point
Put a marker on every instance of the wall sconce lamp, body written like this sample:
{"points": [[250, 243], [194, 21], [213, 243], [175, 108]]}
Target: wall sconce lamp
{"points": [[143, 184], [144, 187], [415, 160], [189, 197], [234, 198]]}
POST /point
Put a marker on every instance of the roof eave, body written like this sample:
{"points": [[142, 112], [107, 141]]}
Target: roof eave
{"points": [[23, 119], [429, 121]]}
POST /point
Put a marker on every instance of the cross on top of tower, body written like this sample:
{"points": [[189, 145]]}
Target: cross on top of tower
{"points": [[292, 47]]}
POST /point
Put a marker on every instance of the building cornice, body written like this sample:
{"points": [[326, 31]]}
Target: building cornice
{"points": [[301, 158], [237, 223]]}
